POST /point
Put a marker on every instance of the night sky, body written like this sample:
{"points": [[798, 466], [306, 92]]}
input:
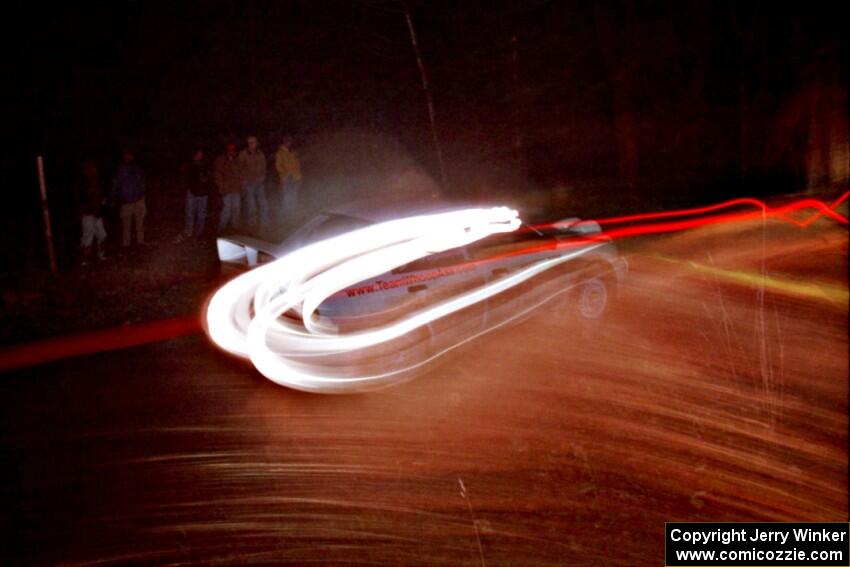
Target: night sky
{"points": [[91, 78]]}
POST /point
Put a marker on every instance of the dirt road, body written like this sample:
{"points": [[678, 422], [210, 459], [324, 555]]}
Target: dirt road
{"points": [[716, 390]]}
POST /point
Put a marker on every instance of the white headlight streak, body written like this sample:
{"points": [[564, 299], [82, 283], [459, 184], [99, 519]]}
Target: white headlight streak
{"points": [[244, 316]]}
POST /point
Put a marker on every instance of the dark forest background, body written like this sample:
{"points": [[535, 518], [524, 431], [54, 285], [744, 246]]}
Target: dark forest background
{"points": [[594, 107]]}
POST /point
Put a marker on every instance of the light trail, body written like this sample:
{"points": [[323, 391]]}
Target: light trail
{"points": [[28, 354], [780, 212], [93, 342], [764, 209], [244, 316]]}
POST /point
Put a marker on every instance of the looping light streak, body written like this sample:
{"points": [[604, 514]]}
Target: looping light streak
{"points": [[244, 316]]}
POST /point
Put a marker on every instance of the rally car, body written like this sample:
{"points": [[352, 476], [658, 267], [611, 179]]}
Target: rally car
{"points": [[583, 286]]}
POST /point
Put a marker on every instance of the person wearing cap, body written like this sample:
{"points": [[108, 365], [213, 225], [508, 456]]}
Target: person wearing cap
{"points": [[288, 167], [228, 178], [252, 162]]}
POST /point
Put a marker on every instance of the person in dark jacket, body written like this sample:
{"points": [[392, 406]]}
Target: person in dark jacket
{"points": [[92, 201], [196, 178], [128, 188]]}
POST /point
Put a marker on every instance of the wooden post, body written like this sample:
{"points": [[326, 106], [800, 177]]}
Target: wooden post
{"points": [[48, 233], [517, 99], [431, 115]]}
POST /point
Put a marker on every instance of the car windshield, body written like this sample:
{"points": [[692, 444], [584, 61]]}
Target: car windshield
{"points": [[322, 227], [335, 225]]}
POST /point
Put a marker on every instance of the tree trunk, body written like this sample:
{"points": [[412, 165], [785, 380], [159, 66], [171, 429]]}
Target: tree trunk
{"points": [[438, 150]]}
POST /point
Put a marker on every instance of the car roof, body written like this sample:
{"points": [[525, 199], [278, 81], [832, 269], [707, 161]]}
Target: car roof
{"points": [[369, 211]]}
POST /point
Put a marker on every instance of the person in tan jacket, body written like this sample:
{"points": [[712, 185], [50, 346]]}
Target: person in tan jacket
{"points": [[227, 174], [252, 161], [288, 167]]}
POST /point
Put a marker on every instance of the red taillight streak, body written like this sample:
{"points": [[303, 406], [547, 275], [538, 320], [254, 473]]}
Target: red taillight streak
{"points": [[88, 343]]}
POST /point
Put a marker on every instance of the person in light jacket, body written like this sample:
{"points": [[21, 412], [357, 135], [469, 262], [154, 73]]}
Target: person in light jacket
{"points": [[288, 167], [253, 163], [227, 174]]}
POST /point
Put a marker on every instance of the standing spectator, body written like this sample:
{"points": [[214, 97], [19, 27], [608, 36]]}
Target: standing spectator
{"points": [[92, 202], [195, 177], [289, 172], [252, 161], [228, 178], [128, 187]]}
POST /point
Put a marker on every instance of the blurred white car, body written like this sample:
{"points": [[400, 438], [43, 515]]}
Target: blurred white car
{"points": [[585, 285]]}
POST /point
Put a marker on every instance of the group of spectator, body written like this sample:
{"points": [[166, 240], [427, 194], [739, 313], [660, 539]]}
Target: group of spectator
{"points": [[238, 177]]}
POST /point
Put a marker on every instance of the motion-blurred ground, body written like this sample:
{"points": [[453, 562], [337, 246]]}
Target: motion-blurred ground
{"points": [[716, 390]]}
